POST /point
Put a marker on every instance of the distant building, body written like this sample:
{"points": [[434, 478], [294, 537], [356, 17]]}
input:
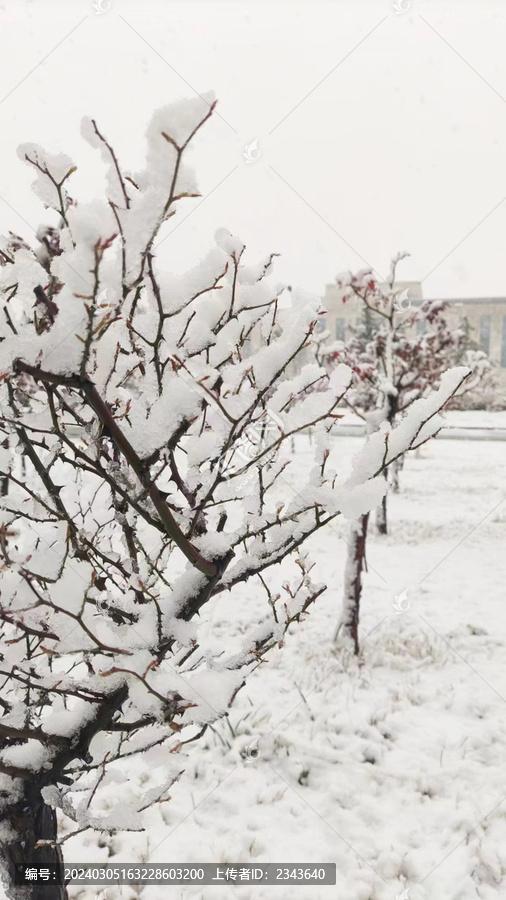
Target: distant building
{"points": [[484, 317]]}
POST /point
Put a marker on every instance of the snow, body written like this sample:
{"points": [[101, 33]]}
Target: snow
{"points": [[64, 722], [392, 767], [57, 164], [419, 423], [31, 755], [89, 222], [229, 243], [150, 426], [178, 120]]}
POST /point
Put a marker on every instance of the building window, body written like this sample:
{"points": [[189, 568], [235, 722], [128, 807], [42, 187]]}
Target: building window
{"points": [[485, 333], [321, 323], [421, 326], [503, 343], [340, 329]]}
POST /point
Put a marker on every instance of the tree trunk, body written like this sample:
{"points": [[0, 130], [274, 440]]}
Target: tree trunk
{"points": [[30, 820], [355, 563], [4, 482], [395, 470], [381, 512]]}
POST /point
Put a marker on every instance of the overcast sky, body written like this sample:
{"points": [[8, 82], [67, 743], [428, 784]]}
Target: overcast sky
{"points": [[378, 130]]}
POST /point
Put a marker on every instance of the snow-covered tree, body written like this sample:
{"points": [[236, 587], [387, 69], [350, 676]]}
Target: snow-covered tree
{"points": [[397, 353], [143, 442]]}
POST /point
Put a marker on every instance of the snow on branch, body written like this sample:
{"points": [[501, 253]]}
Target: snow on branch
{"points": [[145, 428]]}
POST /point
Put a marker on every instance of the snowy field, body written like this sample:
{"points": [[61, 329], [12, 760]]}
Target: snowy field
{"points": [[147, 357], [391, 766]]}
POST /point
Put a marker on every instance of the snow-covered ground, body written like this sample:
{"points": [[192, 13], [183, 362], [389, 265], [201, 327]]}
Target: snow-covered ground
{"points": [[392, 766], [475, 418], [464, 423]]}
